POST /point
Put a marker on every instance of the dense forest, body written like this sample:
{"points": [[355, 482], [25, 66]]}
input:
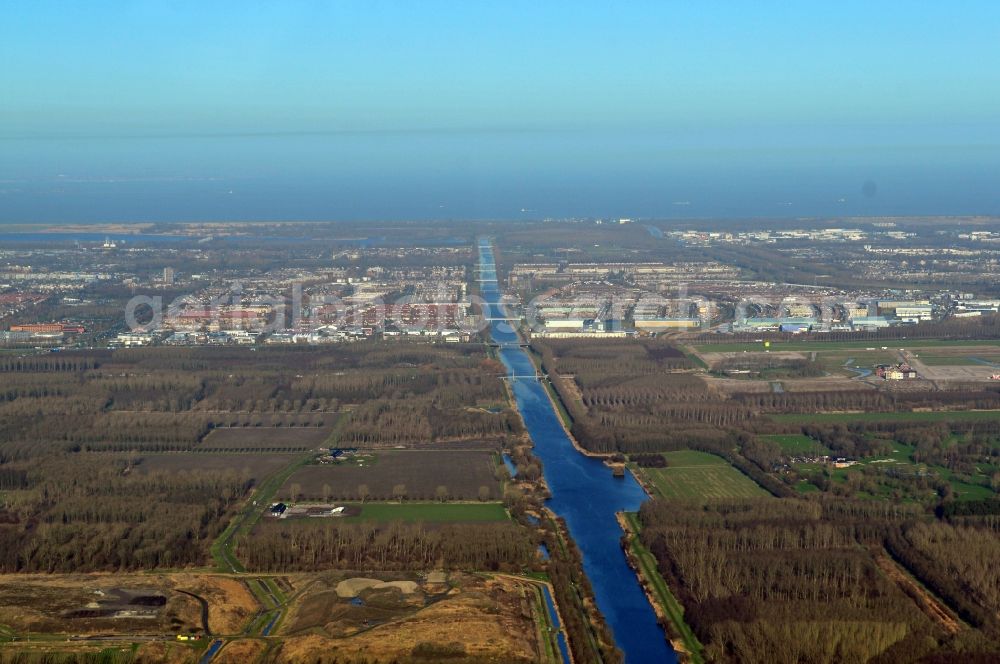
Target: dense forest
{"points": [[794, 580], [87, 480], [621, 395], [84, 512], [161, 399]]}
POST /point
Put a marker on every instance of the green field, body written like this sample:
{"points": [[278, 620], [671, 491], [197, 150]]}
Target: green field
{"points": [[966, 491], [430, 512], [936, 416], [890, 344], [692, 475], [901, 458], [963, 490], [796, 443], [946, 360]]}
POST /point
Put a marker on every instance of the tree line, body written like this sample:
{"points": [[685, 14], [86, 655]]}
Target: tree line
{"points": [[389, 546]]}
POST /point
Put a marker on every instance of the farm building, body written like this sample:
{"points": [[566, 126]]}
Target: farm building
{"points": [[895, 372]]}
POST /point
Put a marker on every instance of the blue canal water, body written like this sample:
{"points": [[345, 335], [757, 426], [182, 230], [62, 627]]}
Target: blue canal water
{"points": [[585, 494], [511, 468], [270, 625], [554, 617], [210, 653]]}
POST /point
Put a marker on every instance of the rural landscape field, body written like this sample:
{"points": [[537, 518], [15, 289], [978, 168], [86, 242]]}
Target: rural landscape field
{"points": [[147, 528], [455, 332], [426, 498], [749, 482]]}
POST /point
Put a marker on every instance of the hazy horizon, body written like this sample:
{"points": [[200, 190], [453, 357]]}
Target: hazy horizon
{"points": [[501, 175], [307, 111]]}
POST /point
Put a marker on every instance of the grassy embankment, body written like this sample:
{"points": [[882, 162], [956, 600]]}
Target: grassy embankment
{"points": [[661, 592]]}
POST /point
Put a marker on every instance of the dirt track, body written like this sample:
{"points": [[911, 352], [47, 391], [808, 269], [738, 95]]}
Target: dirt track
{"points": [[204, 609], [928, 604]]}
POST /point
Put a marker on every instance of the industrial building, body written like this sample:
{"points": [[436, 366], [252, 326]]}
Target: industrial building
{"points": [[872, 322], [774, 324], [658, 324], [905, 309]]}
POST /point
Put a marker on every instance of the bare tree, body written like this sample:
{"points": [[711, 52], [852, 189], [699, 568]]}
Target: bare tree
{"points": [[399, 492]]}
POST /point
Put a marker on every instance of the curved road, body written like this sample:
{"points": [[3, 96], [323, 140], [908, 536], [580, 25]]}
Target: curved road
{"points": [[204, 609]]}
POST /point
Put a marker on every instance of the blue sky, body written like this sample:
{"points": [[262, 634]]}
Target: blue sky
{"points": [[152, 68]]}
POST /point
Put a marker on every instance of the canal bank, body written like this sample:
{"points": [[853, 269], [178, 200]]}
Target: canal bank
{"points": [[668, 609], [584, 493]]}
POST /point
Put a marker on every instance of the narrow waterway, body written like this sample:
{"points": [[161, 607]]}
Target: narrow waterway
{"points": [[584, 493]]}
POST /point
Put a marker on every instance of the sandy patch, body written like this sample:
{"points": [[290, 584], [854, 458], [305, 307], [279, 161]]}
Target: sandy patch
{"points": [[352, 587], [490, 622], [407, 587]]}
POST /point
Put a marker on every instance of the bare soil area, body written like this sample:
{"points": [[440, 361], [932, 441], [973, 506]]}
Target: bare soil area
{"points": [[82, 604]]}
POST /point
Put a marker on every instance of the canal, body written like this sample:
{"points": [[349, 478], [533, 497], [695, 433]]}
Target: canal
{"points": [[584, 493]]}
